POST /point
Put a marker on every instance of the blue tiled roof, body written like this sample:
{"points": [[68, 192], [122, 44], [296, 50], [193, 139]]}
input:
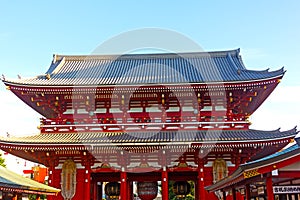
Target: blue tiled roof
{"points": [[167, 68], [4, 181], [273, 156], [287, 153]]}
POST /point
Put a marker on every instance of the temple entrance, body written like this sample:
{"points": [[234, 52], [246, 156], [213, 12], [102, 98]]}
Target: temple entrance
{"points": [[108, 185], [144, 186]]}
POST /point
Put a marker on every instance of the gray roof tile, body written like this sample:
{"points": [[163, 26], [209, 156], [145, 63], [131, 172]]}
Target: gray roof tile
{"points": [[227, 136], [130, 69]]}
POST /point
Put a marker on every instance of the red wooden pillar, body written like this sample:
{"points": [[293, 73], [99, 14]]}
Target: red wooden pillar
{"points": [[95, 189], [200, 181], [123, 176], [124, 186], [87, 180], [247, 192], [51, 180], [269, 184], [165, 184], [233, 193], [164, 176]]}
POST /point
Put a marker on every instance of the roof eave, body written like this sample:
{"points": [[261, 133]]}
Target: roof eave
{"points": [[19, 83]]}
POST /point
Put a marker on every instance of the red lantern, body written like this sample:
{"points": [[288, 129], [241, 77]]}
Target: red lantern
{"points": [[147, 190]]}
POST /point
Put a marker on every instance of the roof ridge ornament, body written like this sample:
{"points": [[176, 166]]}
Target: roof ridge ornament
{"points": [[48, 76], [231, 60], [54, 58]]}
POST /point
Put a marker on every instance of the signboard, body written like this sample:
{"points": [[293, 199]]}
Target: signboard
{"points": [[286, 189]]}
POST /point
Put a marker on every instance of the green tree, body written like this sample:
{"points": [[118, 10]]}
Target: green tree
{"points": [[2, 161]]}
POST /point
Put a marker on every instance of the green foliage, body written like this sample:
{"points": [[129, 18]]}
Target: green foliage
{"points": [[190, 196], [33, 196], [2, 161]]}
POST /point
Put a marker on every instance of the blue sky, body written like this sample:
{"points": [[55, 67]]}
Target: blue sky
{"points": [[267, 32]]}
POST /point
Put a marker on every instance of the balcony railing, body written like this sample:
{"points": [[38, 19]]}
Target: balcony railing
{"points": [[113, 125]]}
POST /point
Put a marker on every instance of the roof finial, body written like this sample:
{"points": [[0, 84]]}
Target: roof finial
{"points": [[54, 58], [3, 77], [48, 76]]}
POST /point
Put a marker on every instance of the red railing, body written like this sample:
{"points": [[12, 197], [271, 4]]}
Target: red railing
{"points": [[137, 122]]}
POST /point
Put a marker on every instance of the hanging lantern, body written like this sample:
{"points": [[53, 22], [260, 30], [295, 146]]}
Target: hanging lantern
{"points": [[181, 189], [147, 190], [112, 190]]}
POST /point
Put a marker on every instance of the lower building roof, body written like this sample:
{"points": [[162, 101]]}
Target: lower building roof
{"points": [[256, 167], [12, 182]]}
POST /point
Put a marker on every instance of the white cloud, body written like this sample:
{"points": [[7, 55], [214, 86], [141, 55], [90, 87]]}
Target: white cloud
{"points": [[280, 110], [17, 118]]}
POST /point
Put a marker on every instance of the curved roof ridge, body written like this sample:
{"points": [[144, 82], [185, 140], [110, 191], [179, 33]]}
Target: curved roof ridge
{"points": [[58, 57], [294, 129], [278, 130], [56, 65], [280, 70]]}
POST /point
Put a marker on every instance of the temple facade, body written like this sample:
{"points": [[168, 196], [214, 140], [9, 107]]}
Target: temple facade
{"points": [[111, 122]]}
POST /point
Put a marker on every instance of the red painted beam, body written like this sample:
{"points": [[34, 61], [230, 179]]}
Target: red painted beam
{"points": [[288, 174], [277, 165]]}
